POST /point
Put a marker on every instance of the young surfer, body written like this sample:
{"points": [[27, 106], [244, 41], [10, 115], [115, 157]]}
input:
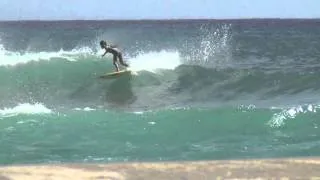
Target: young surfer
{"points": [[115, 52]]}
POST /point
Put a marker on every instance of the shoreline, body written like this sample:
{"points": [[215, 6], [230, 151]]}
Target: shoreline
{"points": [[282, 168]]}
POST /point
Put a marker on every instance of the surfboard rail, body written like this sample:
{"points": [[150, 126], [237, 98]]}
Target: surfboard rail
{"points": [[114, 74]]}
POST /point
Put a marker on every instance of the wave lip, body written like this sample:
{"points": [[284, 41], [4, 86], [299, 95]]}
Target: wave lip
{"points": [[25, 108], [9, 58]]}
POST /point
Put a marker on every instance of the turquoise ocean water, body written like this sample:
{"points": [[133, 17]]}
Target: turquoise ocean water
{"points": [[201, 90]]}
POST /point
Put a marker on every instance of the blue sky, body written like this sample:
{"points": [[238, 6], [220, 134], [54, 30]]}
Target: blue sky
{"points": [[157, 9]]}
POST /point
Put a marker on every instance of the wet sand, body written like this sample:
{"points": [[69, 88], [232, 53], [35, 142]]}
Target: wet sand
{"points": [[294, 168]]}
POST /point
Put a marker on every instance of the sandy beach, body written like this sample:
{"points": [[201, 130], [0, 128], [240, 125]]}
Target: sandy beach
{"points": [[292, 168]]}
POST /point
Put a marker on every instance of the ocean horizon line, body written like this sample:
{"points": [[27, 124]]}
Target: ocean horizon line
{"points": [[158, 19]]}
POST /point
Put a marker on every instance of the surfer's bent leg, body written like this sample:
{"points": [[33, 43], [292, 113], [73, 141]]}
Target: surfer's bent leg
{"points": [[115, 62], [121, 60]]}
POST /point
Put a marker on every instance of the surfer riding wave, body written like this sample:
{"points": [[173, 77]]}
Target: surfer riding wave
{"points": [[115, 52]]}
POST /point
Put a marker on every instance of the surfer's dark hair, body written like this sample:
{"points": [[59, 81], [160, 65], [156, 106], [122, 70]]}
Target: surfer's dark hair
{"points": [[102, 42]]}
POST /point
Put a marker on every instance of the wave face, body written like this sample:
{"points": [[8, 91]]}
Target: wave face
{"points": [[244, 88]]}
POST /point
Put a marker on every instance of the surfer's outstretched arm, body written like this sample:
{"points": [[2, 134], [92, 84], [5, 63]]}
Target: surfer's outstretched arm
{"points": [[105, 52]]}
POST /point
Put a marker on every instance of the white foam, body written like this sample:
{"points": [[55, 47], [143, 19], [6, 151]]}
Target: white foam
{"points": [[9, 58], [153, 61], [278, 119], [84, 109], [138, 112], [25, 108]]}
